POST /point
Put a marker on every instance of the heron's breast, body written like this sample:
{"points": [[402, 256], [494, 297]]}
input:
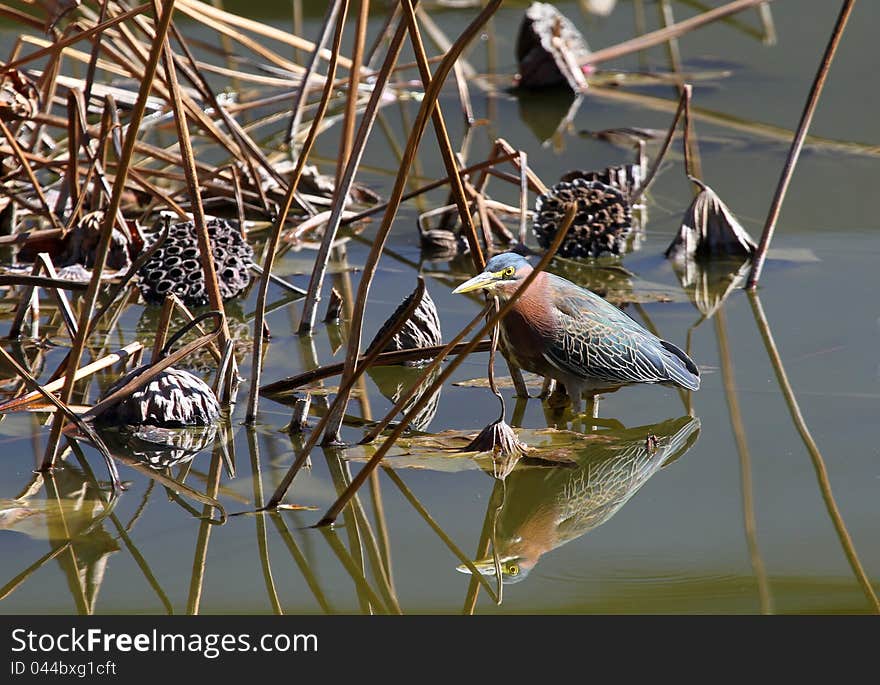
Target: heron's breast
{"points": [[528, 327]]}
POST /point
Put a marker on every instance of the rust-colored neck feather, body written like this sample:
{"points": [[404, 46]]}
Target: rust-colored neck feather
{"points": [[535, 304]]}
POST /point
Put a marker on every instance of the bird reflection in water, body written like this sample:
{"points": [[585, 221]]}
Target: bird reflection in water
{"points": [[66, 509], [547, 505]]}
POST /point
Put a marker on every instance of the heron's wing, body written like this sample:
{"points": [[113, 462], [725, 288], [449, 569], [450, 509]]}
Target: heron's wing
{"points": [[595, 340]]}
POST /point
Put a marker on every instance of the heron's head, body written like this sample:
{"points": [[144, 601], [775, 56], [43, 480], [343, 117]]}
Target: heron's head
{"points": [[503, 271], [513, 568]]}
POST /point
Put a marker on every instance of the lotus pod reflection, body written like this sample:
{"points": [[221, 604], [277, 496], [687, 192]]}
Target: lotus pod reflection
{"points": [[202, 361], [546, 507], [159, 447]]}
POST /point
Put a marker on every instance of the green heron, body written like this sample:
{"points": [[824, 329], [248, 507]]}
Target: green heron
{"points": [[562, 331]]}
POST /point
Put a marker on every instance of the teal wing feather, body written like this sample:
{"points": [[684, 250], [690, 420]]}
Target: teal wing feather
{"points": [[596, 340]]}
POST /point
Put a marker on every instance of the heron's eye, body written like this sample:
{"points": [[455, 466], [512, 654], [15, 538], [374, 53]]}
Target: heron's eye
{"points": [[513, 570], [508, 272]]}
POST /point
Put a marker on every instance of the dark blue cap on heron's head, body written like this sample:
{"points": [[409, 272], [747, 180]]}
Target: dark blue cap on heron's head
{"points": [[501, 261]]}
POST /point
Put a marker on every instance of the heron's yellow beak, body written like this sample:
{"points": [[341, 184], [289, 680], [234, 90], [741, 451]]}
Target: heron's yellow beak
{"points": [[482, 281], [486, 567]]}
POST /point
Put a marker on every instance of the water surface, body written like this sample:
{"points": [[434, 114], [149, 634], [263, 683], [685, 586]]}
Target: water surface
{"points": [[702, 525]]}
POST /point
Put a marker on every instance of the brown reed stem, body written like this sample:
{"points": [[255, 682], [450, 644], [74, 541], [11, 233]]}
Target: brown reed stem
{"points": [[662, 35], [689, 161], [426, 516], [123, 354], [212, 284], [59, 45], [664, 148], [355, 572], [302, 563], [797, 144], [745, 469], [29, 172], [41, 282], [262, 538], [426, 188], [354, 77], [432, 92], [64, 410], [168, 307], [425, 375], [483, 545], [319, 270], [59, 295], [275, 235], [381, 528], [194, 7], [385, 359], [445, 145], [96, 49], [523, 196], [91, 295], [331, 19], [201, 553]]}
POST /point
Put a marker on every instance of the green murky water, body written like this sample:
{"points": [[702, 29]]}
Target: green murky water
{"points": [[698, 522]]}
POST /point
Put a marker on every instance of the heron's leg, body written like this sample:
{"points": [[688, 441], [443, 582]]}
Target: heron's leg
{"points": [[548, 388], [559, 397], [575, 390], [519, 411], [516, 376], [593, 410]]}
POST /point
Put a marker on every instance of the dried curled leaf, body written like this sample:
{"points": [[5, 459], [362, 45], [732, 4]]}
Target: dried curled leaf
{"points": [[422, 328], [81, 243], [550, 50], [54, 10], [19, 97], [710, 229]]}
